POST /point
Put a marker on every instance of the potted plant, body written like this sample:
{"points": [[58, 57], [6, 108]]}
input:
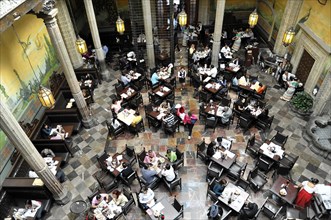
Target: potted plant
{"points": [[302, 103]]}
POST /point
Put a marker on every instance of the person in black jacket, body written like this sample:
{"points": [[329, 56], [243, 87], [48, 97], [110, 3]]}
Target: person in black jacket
{"points": [[127, 170], [249, 211], [210, 149]]}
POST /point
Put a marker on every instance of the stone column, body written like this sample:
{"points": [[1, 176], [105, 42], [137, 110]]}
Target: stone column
{"points": [[22, 143], [203, 16], [96, 39], [62, 55], [218, 31], [68, 34], [289, 20], [323, 98], [148, 32]]}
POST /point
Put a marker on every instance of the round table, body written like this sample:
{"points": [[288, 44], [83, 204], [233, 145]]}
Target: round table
{"points": [[78, 207]]}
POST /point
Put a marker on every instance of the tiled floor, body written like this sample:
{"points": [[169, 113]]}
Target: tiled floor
{"points": [[90, 142]]}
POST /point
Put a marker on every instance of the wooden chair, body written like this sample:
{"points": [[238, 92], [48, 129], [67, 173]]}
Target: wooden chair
{"points": [[256, 179], [179, 208]]}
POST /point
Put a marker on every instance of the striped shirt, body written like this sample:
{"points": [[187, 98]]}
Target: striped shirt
{"points": [[169, 120]]}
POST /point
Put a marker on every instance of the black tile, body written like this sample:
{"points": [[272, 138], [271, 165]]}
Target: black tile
{"points": [[311, 167], [72, 175], [280, 129], [78, 139], [321, 173], [75, 164], [89, 139], [86, 149], [302, 178]]}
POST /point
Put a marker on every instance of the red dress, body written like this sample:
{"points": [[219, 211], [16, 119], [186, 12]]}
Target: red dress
{"points": [[304, 196]]}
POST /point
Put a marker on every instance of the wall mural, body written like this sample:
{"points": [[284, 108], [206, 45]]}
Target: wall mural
{"points": [[27, 60]]}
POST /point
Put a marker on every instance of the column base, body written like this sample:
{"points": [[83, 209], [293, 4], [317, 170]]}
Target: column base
{"points": [[63, 199], [105, 75], [88, 123]]}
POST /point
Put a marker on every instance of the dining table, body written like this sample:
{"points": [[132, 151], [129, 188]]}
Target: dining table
{"points": [[128, 93], [271, 150], [162, 91], [106, 210], [234, 197], [224, 158], [126, 116], [164, 207], [213, 87], [291, 190], [114, 163]]}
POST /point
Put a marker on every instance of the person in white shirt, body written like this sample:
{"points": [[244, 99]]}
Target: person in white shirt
{"points": [[226, 50], [243, 81], [169, 173], [59, 174], [213, 71], [146, 197], [34, 205], [182, 76]]}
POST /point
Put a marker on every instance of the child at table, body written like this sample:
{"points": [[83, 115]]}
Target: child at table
{"points": [[150, 157]]}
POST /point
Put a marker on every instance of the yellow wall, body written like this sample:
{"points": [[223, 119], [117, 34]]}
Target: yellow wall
{"points": [[320, 19], [239, 4]]}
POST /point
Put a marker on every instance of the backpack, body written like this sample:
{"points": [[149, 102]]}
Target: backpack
{"points": [[213, 211]]}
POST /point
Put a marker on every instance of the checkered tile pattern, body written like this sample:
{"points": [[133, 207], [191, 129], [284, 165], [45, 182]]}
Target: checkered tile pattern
{"points": [[91, 142]]}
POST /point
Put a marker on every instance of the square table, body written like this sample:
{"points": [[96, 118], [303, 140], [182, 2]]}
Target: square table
{"points": [[265, 150], [126, 116], [128, 93], [213, 87], [291, 190], [227, 161], [116, 168], [238, 197], [165, 207], [162, 91]]}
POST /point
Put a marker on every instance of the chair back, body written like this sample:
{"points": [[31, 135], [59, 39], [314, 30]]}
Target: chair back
{"points": [[129, 151], [251, 140], [119, 88], [177, 205], [201, 146], [264, 164], [225, 101], [148, 108]]}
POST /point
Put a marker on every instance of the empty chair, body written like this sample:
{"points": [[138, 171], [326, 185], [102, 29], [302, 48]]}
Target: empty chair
{"points": [[242, 183], [265, 124], [211, 122], [204, 96], [236, 170], [141, 156], [101, 158], [119, 88], [179, 208], [180, 160], [106, 181], [154, 99], [148, 108], [126, 208], [264, 164], [129, 154], [296, 214], [225, 101], [171, 185], [213, 171], [256, 179], [252, 147], [244, 122], [202, 113], [286, 163], [201, 151], [271, 209], [279, 139]]}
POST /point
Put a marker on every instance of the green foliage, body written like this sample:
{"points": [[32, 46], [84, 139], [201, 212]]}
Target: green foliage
{"points": [[303, 102]]}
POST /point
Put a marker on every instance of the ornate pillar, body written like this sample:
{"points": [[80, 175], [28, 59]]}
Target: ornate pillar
{"points": [[68, 34], [218, 31], [148, 32], [290, 18], [96, 39], [204, 12], [62, 55], [22, 143], [323, 98]]}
